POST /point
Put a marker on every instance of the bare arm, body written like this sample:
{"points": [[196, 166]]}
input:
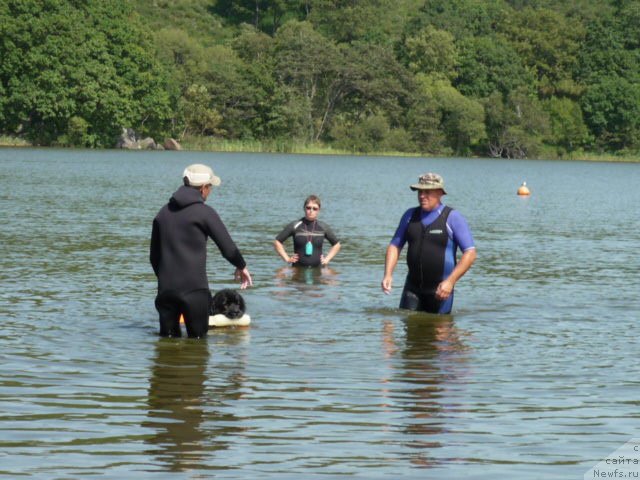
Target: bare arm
{"points": [[446, 286], [390, 262], [332, 253], [279, 247]]}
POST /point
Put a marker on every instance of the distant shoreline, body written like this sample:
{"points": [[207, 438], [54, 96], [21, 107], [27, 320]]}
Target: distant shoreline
{"points": [[242, 146]]}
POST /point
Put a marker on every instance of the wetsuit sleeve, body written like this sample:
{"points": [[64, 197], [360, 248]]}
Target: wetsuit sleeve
{"points": [[286, 232], [219, 234], [400, 237], [460, 231], [328, 233], [154, 248]]}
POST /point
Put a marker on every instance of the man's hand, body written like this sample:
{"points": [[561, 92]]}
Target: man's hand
{"points": [[386, 284], [444, 290], [244, 277]]}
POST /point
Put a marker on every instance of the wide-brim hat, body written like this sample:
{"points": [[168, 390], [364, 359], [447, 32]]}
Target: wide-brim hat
{"points": [[198, 175], [429, 181]]}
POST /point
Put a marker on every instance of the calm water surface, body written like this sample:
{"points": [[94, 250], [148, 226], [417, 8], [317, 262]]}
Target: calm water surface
{"points": [[534, 375]]}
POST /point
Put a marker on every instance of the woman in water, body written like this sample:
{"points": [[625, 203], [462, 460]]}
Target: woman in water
{"points": [[308, 236]]}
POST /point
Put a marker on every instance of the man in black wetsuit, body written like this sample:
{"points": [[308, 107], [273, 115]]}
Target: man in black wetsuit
{"points": [[178, 254]]}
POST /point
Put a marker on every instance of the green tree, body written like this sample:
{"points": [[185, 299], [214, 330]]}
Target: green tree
{"points": [[431, 51], [612, 111], [77, 134], [78, 59], [461, 18], [423, 124], [488, 65], [230, 87], [372, 133], [461, 118], [629, 17], [196, 114], [310, 66], [367, 135], [547, 43], [182, 55], [568, 130], [346, 21], [277, 114], [517, 126], [288, 115], [360, 79], [254, 46], [264, 15], [379, 83], [605, 53]]}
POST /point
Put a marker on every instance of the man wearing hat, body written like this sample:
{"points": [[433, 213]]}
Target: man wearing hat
{"points": [[434, 233], [178, 254]]}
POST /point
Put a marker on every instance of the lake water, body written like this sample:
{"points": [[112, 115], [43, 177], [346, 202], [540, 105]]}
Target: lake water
{"points": [[534, 375]]}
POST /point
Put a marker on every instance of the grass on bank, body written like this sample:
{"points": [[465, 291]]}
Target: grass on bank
{"points": [[210, 144], [603, 157], [6, 141]]}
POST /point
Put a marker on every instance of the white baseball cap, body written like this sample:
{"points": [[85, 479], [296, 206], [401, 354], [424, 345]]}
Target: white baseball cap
{"points": [[198, 175]]}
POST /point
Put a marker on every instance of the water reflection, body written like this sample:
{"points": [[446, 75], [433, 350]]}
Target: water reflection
{"points": [[304, 280], [176, 402], [432, 356], [192, 396]]}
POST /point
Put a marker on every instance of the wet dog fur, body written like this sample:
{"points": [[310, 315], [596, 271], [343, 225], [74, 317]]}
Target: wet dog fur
{"points": [[228, 303]]}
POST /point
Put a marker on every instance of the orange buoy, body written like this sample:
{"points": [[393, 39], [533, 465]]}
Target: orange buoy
{"points": [[523, 191]]}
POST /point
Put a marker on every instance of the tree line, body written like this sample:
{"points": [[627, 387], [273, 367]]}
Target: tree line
{"points": [[517, 78]]}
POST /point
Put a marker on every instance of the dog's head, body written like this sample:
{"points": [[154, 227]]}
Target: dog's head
{"points": [[228, 303]]}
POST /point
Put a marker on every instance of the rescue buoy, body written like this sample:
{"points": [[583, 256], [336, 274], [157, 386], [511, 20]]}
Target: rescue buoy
{"points": [[220, 320], [524, 190]]}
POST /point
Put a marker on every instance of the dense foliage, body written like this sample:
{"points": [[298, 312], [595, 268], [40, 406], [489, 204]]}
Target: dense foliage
{"points": [[512, 78]]}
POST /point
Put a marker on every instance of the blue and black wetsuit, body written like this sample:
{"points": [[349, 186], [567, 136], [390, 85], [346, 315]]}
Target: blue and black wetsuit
{"points": [[178, 255], [433, 237]]}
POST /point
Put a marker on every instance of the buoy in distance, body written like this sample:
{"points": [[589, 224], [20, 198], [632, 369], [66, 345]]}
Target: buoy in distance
{"points": [[523, 191]]}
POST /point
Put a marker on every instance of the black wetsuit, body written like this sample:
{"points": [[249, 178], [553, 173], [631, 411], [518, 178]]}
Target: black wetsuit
{"points": [[178, 255], [304, 231]]}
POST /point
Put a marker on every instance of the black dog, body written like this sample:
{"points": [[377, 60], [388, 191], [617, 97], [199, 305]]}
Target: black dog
{"points": [[228, 303]]}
